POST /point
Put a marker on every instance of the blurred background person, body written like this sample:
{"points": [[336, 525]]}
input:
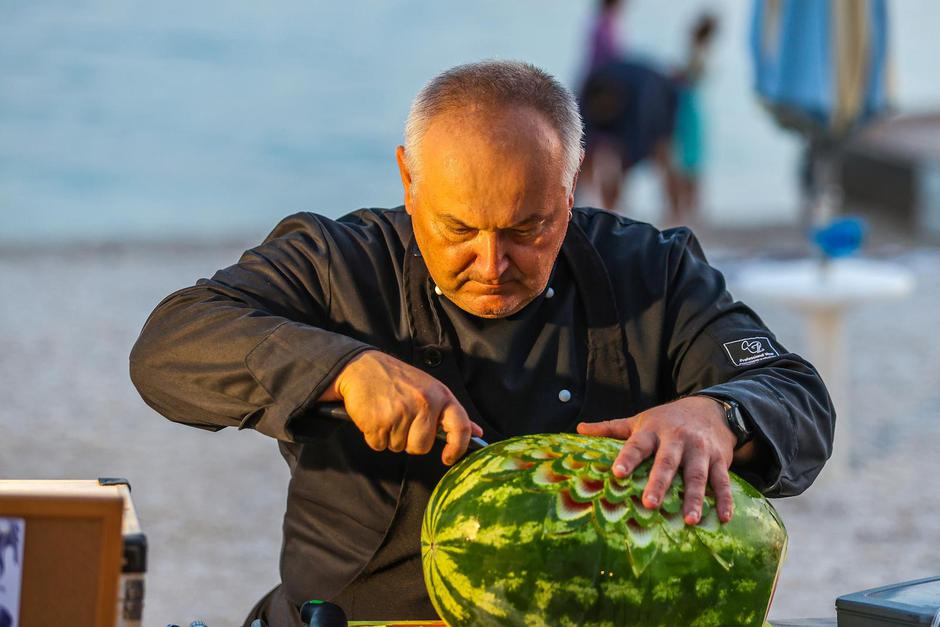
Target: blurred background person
{"points": [[628, 106], [605, 42], [629, 110], [636, 110], [690, 128]]}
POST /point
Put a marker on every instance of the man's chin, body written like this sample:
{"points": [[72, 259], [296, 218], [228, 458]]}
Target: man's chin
{"points": [[491, 306]]}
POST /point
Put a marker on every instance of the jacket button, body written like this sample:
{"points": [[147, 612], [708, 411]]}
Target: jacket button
{"points": [[432, 357]]}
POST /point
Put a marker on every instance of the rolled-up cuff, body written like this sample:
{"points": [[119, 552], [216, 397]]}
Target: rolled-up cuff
{"points": [[762, 411], [295, 364]]}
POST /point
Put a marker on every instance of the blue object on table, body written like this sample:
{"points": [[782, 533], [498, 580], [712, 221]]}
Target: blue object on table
{"points": [[841, 237]]}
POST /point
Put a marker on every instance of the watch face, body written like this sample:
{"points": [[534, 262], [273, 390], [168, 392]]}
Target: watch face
{"points": [[736, 423]]}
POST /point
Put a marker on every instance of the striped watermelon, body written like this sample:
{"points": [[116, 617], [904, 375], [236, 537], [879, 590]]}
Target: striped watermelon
{"points": [[536, 530]]}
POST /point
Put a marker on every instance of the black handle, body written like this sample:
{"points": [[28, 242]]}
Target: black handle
{"points": [[318, 613], [337, 411]]}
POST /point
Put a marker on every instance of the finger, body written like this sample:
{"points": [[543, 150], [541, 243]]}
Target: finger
{"points": [[635, 450], [620, 428], [721, 484], [376, 439], [456, 425], [694, 475], [664, 469], [400, 428], [476, 429], [422, 432]]}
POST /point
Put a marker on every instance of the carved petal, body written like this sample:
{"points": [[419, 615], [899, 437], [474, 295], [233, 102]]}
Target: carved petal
{"points": [[544, 475], [611, 512], [569, 509]]}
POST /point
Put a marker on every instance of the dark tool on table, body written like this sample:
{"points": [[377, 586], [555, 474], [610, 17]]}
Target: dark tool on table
{"points": [[338, 412], [317, 613]]}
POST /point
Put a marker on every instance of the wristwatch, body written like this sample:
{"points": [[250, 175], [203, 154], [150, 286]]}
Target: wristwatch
{"points": [[735, 418]]}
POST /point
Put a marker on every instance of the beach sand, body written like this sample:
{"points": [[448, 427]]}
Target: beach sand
{"points": [[211, 503]]}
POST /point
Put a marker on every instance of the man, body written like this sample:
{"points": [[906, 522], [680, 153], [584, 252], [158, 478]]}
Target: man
{"points": [[489, 306]]}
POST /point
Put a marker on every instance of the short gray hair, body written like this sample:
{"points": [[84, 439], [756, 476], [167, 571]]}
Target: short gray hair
{"points": [[498, 83]]}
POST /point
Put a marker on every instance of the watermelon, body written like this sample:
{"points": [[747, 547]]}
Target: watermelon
{"points": [[537, 531]]}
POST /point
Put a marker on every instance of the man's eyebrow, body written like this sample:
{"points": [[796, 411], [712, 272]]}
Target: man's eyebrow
{"points": [[530, 221], [449, 218]]}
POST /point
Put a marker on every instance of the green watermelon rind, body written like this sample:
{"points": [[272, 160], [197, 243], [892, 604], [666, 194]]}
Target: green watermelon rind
{"points": [[507, 539]]}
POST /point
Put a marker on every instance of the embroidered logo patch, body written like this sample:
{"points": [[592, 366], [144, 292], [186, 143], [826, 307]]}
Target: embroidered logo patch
{"points": [[750, 350]]}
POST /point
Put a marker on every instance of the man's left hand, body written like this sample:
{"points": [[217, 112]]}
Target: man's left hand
{"points": [[692, 433]]}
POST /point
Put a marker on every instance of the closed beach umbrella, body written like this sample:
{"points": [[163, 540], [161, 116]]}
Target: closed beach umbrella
{"points": [[821, 65]]}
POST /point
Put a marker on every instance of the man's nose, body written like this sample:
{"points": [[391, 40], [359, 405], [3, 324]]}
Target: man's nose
{"points": [[492, 261]]}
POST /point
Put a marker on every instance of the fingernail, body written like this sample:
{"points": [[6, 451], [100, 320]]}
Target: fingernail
{"points": [[726, 514], [652, 500], [692, 518], [620, 470]]}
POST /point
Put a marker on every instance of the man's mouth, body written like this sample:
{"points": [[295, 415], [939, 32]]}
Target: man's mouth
{"points": [[489, 288]]}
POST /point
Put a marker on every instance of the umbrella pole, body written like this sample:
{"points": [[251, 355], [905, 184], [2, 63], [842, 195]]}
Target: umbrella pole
{"points": [[825, 187]]}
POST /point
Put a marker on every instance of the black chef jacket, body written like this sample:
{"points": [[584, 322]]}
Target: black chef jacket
{"points": [[527, 368], [641, 319]]}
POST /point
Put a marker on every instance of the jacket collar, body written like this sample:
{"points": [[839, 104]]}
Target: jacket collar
{"points": [[607, 380]]}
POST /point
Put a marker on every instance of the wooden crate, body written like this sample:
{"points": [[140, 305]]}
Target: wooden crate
{"points": [[84, 556]]}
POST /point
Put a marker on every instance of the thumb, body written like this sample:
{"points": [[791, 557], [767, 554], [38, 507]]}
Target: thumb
{"points": [[457, 426], [620, 428]]}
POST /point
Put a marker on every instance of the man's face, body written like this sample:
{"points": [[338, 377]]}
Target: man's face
{"points": [[489, 207]]}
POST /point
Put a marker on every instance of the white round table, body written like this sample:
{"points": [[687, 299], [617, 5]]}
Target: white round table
{"points": [[824, 292]]}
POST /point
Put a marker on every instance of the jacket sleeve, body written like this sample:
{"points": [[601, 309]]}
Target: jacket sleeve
{"points": [[250, 347], [720, 347]]}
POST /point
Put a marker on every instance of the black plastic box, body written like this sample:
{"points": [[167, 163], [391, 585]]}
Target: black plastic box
{"points": [[908, 603]]}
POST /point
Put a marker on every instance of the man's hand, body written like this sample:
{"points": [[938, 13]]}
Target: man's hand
{"points": [[399, 408], [691, 432]]}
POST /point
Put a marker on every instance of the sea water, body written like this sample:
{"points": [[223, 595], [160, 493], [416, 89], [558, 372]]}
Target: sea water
{"points": [[173, 119]]}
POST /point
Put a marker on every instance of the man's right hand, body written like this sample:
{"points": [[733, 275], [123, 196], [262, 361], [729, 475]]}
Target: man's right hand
{"points": [[399, 408]]}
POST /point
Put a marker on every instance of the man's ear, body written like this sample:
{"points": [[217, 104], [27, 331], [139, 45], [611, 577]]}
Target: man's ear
{"points": [[405, 176], [574, 182]]}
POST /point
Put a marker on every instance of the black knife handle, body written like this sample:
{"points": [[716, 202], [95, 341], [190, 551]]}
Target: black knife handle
{"points": [[337, 411]]}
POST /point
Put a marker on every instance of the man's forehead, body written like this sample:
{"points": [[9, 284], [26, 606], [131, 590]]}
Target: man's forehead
{"points": [[477, 150], [490, 169], [497, 126]]}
